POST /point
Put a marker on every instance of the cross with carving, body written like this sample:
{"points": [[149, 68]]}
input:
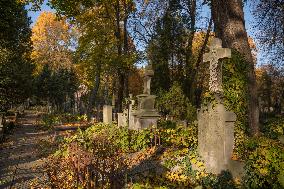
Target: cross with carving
{"points": [[216, 52]]}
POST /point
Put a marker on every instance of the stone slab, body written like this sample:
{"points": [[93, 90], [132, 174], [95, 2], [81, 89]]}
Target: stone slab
{"points": [[216, 137], [107, 114]]}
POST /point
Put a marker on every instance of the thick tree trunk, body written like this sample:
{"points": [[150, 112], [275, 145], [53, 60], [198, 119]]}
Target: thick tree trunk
{"points": [[228, 17]]}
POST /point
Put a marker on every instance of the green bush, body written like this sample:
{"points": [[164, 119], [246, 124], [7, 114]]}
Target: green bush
{"points": [[50, 120], [264, 167], [180, 137], [273, 128], [166, 124], [176, 104]]}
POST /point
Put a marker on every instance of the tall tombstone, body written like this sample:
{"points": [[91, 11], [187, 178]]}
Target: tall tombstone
{"points": [[107, 114], [215, 123], [146, 114]]}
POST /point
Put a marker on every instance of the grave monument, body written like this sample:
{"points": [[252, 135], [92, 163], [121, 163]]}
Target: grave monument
{"points": [[146, 115], [215, 123], [107, 114]]}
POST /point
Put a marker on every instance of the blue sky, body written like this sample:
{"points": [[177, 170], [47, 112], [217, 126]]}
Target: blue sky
{"points": [[248, 18]]}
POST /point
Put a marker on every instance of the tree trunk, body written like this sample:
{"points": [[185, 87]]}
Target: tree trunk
{"points": [[228, 17], [126, 47], [188, 80], [194, 76], [119, 55], [94, 93]]}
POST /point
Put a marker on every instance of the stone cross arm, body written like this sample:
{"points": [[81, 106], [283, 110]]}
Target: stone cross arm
{"points": [[220, 53]]}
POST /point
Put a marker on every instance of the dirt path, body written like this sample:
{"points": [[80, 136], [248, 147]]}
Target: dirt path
{"points": [[21, 159]]}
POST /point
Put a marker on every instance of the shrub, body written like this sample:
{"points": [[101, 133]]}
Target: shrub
{"points": [[50, 120], [167, 124], [101, 166], [176, 104], [264, 166], [273, 128]]}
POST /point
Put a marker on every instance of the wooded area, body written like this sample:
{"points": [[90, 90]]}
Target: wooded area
{"points": [[87, 54]]}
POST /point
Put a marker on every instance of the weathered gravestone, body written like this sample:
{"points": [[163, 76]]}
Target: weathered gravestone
{"points": [[107, 114], [215, 123], [146, 115], [121, 119]]}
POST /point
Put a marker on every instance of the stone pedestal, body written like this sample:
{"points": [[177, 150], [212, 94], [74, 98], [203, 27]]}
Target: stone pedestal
{"points": [[107, 114], [216, 137], [146, 114]]}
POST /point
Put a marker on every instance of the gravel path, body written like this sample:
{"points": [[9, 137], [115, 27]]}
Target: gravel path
{"points": [[21, 159]]}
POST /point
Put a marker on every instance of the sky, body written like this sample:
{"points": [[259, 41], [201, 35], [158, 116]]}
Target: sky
{"points": [[249, 19]]}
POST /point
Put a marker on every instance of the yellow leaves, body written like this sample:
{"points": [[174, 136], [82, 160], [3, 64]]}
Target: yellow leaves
{"points": [[200, 164], [193, 161], [263, 171], [177, 176], [52, 41], [200, 175]]}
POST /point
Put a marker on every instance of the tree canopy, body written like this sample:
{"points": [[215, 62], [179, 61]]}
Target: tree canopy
{"points": [[15, 48]]}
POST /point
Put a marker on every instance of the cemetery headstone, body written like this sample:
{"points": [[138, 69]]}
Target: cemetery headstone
{"points": [[121, 120], [107, 114], [215, 123]]}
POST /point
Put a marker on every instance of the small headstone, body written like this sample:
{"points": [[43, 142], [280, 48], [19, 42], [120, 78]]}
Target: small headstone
{"points": [[121, 120], [107, 114]]}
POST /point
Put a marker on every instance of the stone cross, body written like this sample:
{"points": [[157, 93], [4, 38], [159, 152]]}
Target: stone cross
{"points": [[147, 79], [216, 53]]}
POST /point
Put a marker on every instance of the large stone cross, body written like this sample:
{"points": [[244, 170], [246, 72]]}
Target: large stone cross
{"points": [[216, 53]]}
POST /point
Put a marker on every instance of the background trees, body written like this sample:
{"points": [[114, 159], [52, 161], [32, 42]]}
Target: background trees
{"points": [[269, 28], [54, 43], [170, 36], [15, 48], [105, 44]]}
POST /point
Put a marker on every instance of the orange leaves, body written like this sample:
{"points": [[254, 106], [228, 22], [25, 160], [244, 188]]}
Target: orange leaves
{"points": [[52, 42]]}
